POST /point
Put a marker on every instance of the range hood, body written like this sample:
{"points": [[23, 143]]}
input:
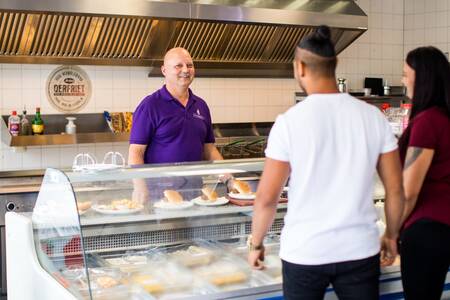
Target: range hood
{"points": [[226, 38]]}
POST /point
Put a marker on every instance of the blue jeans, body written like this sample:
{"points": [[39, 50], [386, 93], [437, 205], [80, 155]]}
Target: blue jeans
{"points": [[351, 280]]}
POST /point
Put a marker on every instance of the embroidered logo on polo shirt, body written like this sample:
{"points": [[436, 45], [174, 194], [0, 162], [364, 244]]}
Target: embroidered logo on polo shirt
{"points": [[198, 115]]}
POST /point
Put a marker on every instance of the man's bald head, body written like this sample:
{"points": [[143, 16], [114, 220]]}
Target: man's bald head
{"points": [[176, 53]]}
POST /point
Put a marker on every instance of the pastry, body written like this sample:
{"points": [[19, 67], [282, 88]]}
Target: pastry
{"points": [[222, 273], [209, 194], [193, 256], [232, 278], [106, 282], [241, 187], [172, 196], [149, 283], [83, 206], [123, 204]]}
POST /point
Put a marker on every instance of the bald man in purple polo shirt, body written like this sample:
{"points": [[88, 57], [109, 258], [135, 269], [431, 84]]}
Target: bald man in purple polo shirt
{"points": [[172, 124]]}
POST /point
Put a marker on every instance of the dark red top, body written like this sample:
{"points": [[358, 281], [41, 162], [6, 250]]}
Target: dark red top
{"points": [[431, 129]]}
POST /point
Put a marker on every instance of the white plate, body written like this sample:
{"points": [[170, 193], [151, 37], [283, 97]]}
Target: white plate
{"points": [[82, 212], [104, 211], [219, 201], [162, 204], [96, 167], [239, 196]]}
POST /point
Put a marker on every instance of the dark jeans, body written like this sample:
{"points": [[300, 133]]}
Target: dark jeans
{"points": [[425, 259], [352, 280]]}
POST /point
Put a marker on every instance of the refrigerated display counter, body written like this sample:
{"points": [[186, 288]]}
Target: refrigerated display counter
{"points": [[146, 233]]}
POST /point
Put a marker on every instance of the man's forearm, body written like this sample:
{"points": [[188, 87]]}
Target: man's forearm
{"points": [[135, 157], [263, 216], [211, 153]]}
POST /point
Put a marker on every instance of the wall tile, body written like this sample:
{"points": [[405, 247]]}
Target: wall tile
{"points": [[121, 100], [397, 7], [12, 78], [67, 155], [51, 157], [12, 159], [32, 158]]}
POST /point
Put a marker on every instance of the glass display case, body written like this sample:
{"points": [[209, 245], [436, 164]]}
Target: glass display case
{"points": [[148, 232]]}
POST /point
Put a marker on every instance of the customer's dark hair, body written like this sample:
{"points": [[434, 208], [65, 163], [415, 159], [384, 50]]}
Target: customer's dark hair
{"points": [[319, 43], [432, 82]]}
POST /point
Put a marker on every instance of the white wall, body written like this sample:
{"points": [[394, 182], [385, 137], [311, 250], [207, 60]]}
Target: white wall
{"points": [[427, 23], [379, 52]]}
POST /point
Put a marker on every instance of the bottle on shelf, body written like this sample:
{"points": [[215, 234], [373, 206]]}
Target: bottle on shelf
{"points": [[25, 127], [14, 123], [37, 125], [406, 111]]}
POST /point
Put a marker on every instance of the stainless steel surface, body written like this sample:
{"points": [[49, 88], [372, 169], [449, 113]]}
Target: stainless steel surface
{"points": [[92, 128], [225, 38]]}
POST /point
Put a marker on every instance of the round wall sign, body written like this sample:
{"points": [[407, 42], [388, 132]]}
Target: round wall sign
{"points": [[68, 89]]}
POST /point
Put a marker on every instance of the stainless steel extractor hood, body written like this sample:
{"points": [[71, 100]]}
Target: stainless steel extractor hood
{"points": [[232, 38]]}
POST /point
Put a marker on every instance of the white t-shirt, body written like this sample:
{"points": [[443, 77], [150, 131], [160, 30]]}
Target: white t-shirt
{"points": [[332, 142]]}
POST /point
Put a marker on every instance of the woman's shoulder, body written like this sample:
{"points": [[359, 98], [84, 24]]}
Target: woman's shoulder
{"points": [[433, 114]]}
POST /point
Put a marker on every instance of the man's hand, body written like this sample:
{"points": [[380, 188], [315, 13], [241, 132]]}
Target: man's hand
{"points": [[256, 259], [388, 250]]}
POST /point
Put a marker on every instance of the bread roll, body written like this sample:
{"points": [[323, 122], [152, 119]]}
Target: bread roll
{"points": [[209, 194], [173, 196], [82, 206], [229, 278], [106, 282], [241, 187]]}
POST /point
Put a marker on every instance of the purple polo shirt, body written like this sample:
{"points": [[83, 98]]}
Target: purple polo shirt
{"points": [[172, 132]]}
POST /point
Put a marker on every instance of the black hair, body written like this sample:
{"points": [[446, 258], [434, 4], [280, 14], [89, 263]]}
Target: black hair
{"points": [[319, 42], [323, 61], [432, 82]]}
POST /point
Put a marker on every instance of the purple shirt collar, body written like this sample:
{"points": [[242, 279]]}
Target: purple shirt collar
{"points": [[167, 96]]}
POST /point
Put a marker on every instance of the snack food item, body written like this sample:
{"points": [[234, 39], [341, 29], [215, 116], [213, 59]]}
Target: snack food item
{"points": [[223, 272], [229, 278], [106, 282], [209, 194], [83, 206], [193, 256], [128, 117], [122, 204], [241, 187], [172, 196], [148, 282]]}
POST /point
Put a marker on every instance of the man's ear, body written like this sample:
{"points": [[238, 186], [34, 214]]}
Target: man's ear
{"points": [[301, 69], [163, 70]]}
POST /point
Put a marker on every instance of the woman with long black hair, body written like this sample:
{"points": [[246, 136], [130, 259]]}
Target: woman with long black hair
{"points": [[425, 151]]}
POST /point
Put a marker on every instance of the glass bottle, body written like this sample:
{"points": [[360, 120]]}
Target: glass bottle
{"points": [[25, 127], [37, 125]]}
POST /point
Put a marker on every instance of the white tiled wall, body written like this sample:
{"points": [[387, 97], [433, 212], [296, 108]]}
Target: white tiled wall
{"points": [[427, 22], [379, 52]]}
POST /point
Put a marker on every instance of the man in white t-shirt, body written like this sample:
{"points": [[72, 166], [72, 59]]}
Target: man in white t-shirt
{"points": [[330, 145]]}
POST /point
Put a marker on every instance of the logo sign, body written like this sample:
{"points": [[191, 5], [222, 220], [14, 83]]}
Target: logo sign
{"points": [[68, 89]]}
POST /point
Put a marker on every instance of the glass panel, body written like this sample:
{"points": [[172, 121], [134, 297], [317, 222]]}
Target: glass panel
{"points": [[57, 233], [134, 220]]}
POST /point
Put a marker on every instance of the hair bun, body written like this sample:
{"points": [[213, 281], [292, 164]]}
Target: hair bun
{"points": [[323, 32]]}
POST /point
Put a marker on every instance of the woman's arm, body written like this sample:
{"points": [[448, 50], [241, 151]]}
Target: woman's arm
{"points": [[417, 163]]}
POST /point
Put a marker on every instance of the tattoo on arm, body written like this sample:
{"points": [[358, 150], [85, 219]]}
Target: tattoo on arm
{"points": [[411, 156]]}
